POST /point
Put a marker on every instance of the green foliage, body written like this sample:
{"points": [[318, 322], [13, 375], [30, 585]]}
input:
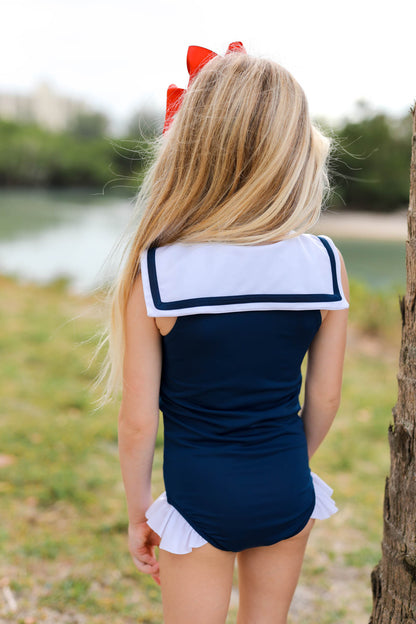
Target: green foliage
{"points": [[371, 162], [369, 170], [32, 156], [146, 124], [89, 125]]}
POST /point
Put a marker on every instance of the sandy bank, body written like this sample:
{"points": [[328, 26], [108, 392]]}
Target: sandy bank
{"points": [[363, 225]]}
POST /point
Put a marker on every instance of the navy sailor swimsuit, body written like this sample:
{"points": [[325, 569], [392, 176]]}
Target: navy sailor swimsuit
{"points": [[235, 461]]}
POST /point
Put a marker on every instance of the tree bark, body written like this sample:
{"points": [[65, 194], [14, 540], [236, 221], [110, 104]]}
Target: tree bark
{"points": [[393, 580]]}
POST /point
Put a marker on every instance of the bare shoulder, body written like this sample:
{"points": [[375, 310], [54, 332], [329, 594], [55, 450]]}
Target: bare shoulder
{"points": [[136, 302], [141, 333], [136, 311]]}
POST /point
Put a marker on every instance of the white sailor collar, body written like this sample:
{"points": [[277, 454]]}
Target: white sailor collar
{"points": [[299, 273]]}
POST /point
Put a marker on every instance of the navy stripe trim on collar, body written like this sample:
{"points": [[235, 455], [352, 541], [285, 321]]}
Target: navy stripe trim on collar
{"points": [[333, 267], [229, 299]]}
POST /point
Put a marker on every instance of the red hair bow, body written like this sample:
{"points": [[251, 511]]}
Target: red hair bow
{"points": [[196, 59]]}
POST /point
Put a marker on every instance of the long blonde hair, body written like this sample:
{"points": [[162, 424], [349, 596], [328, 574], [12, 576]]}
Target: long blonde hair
{"points": [[241, 163]]}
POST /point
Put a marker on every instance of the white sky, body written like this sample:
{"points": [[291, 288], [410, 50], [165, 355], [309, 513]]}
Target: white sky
{"points": [[122, 54]]}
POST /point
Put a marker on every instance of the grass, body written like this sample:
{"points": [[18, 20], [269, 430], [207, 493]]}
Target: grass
{"points": [[63, 517]]}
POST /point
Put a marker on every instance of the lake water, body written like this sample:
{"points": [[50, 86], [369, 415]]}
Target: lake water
{"points": [[45, 235]]}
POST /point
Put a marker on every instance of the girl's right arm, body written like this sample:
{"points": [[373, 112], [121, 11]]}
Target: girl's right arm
{"points": [[324, 373]]}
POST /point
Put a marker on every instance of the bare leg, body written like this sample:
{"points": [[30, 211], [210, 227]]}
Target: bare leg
{"points": [[267, 578], [196, 587]]}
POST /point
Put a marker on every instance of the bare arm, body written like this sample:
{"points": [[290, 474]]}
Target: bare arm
{"points": [[139, 412], [324, 373]]}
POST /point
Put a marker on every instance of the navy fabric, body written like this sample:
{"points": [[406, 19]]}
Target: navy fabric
{"points": [[235, 455]]}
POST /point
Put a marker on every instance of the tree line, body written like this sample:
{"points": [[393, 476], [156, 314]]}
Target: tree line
{"points": [[369, 167]]}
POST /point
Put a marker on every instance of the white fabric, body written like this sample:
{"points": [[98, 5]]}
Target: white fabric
{"points": [[177, 535], [298, 265]]}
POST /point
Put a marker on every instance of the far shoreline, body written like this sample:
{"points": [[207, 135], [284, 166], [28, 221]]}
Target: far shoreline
{"points": [[363, 225]]}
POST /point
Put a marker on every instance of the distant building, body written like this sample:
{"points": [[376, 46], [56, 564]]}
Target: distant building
{"points": [[43, 106]]}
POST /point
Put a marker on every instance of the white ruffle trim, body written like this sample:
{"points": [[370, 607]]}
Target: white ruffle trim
{"points": [[324, 505], [178, 537]]}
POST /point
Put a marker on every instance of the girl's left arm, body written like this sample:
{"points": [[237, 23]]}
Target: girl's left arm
{"points": [[138, 422]]}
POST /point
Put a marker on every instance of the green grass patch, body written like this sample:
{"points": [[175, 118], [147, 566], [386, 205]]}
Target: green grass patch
{"points": [[63, 521], [375, 312]]}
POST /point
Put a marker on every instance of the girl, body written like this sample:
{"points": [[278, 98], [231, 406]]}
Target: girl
{"points": [[222, 294]]}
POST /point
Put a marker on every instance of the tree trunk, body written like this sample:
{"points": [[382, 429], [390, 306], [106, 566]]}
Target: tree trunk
{"points": [[393, 580]]}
